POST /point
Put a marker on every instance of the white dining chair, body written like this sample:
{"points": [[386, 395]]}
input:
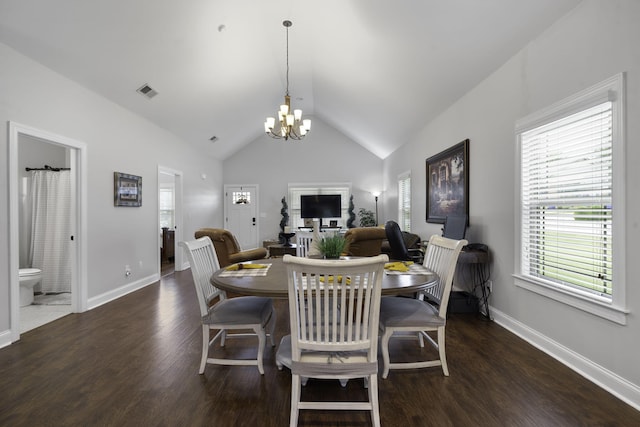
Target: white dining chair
{"points": [[414, 317], [334, 307], [237, 314], [303, 243]]}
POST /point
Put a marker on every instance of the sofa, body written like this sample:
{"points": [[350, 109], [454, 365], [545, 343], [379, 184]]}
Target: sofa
{"points": [[364, 241], [227, 247]]}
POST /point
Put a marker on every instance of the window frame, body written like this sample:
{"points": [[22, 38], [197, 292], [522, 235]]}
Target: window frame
{"points": [[612, 89]]}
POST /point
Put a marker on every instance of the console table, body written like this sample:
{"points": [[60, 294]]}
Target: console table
{"points": [[279, 250], [475, 260]]}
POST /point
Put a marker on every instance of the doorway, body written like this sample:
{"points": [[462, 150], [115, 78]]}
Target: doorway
{"points": [[20, 138], [169, 220], [241, 214]]}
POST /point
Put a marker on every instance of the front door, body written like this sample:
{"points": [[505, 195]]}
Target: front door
{"points": [[241, 214]]}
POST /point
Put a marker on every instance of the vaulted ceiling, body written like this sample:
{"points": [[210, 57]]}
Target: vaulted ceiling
{"points": [[376, 70]]}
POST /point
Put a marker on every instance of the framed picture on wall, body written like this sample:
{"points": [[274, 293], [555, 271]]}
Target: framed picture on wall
{"points": [[448, 183], [127, 189]]}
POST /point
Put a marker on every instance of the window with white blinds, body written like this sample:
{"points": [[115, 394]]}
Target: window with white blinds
{"points": [[570, 166], [566, 201], [167, 208], [404, 201]]}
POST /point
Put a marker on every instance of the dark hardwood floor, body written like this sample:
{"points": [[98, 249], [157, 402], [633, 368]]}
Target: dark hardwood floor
{"points": [[134, 362]]}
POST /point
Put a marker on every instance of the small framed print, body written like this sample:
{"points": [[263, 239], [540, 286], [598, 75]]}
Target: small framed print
{"points": [[127, 189]]}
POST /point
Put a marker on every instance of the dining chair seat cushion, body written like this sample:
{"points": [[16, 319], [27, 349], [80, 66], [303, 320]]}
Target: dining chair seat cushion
{"points": [[397, 312], [314, 363], [240, 310]]}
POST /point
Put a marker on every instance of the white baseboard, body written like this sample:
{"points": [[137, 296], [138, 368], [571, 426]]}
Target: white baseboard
{"points": [[609, 381], [121, 291], [5, 338]]}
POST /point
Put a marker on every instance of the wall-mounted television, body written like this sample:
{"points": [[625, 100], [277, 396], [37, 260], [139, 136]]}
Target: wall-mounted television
{"points": [[321, 206]]}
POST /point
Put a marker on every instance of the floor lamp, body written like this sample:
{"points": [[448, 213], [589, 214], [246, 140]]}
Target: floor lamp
{"points": [[376, 194]]}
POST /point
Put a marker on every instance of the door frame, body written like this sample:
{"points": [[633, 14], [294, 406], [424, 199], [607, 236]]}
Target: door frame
{"points": [[179, 260], [78, 162], [226, 208]]}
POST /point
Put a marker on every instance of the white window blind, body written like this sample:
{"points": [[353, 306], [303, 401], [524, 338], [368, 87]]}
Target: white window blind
{"points": [[566, 201], [167, 208], [404, 202]]}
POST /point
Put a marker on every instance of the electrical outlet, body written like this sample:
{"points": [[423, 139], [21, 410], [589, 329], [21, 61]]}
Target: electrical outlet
{"points": [[127, 271]]}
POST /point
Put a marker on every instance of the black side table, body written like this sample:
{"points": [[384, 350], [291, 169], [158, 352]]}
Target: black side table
{"points": [[476, 260]]}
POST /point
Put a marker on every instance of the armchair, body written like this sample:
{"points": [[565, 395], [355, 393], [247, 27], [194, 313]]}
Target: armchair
{"points": [[364, 241], [227, 247]]}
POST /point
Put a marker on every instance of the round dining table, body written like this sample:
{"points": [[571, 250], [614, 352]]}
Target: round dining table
{"points": [[274, 283]]}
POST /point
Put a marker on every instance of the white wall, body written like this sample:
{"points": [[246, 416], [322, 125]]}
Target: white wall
{"points": [[595, 41], [116, 140], [325, 155]]}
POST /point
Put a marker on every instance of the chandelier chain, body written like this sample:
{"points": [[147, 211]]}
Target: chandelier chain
{"points": [[287, 92]]}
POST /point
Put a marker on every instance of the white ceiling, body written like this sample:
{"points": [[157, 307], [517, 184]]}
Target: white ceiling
{"points": [[377, 70]]}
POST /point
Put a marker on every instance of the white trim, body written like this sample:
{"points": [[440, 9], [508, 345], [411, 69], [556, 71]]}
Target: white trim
{"points": [[178, 219], [612, 89], [5, 338], [602, 377], [587, 303], [114, 294], [79, 286]]}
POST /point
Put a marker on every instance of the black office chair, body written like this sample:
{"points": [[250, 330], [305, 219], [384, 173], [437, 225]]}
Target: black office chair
{"points": [[399, 251], [455, 227]]}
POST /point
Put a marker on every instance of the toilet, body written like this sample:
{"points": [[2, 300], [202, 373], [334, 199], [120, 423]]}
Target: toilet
{"points": [[29, 277]]}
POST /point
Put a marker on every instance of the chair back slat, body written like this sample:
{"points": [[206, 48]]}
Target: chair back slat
{"points": [[441, 257], [334, 304], [303, 243], [204, 262]]}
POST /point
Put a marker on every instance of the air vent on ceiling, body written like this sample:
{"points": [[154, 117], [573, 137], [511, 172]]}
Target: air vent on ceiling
{"points": [[147, 91]]}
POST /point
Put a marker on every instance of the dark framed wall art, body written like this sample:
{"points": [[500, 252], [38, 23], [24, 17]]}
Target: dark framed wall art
{"points": [[127, 189], [448, 183]]}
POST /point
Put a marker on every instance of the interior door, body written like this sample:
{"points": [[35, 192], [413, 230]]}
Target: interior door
{"points": [[241, 214]]}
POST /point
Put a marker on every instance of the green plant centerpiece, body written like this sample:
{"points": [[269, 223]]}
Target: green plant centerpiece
{"points": [[331, 247], [367, 218]]}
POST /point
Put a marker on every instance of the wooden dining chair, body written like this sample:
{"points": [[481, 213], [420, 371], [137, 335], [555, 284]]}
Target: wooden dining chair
{"points": [[334, 307], [228, 314], [414, 317]]}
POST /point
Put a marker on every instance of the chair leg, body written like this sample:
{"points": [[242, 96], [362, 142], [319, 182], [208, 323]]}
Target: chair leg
{"points": [[384, 344], [272, 327], [373, 399], [295, 398], [261, 342], [441, 351], [205, 348], [223, 337]]}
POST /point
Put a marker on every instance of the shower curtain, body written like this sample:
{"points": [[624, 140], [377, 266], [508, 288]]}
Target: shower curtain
{"points": [[50, 196]]}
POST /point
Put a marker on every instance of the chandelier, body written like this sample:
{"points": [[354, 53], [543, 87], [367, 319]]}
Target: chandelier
{"points": [[289, 124]]}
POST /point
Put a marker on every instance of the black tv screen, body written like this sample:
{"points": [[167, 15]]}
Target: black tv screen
{"points": [[321, 206]]}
